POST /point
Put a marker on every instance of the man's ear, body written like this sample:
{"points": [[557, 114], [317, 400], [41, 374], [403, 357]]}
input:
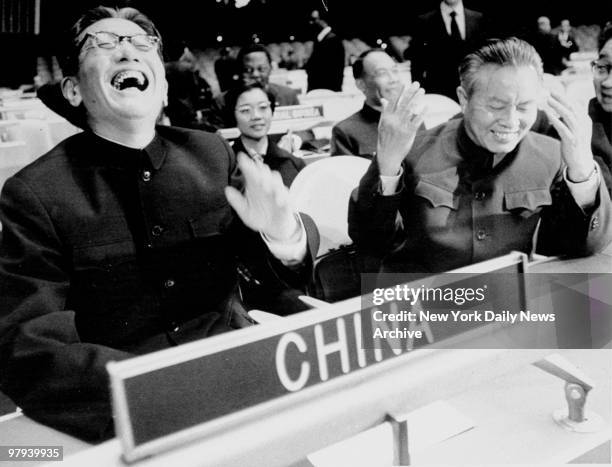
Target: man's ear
{"points": [[165, 93], [360, 85], [463, 98], [71, 92]]}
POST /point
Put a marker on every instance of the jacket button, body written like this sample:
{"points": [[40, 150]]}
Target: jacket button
{"points": [[146, 175], [594, 223], [479, 195], [157, 230], [169, 283], [481, 235]]}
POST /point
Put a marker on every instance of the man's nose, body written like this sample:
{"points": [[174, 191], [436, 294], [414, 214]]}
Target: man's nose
{"points": [[127, 50], [510, 117]]}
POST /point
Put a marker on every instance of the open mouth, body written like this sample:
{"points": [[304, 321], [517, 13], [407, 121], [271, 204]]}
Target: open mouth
{"points": [[505, 136], [130, 79]]}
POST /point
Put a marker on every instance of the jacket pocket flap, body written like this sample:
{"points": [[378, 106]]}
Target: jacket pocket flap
{"points": [[435, 195], [528, 199]]}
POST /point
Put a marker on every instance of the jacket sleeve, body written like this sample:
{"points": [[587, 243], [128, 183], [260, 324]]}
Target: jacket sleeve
{"points": [[46, 369], [272, 278], [373, 218], [568, 230]]}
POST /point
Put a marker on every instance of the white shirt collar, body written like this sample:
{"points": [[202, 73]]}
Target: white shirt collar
{"points": [[446, 11], [324, 32]]}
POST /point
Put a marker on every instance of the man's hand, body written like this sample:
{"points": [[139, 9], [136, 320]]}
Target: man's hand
{"points": [[399, 122], [265, 205], [575, 132]]}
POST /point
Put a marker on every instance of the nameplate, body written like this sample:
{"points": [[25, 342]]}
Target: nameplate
{"points": [[293, 112], [177, 395]]}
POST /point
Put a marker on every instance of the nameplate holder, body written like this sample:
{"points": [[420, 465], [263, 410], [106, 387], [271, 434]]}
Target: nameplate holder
{"points": [[197, 390]]}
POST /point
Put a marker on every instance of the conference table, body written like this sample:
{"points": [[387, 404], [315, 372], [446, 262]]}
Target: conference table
{"points": [[501, 413]]}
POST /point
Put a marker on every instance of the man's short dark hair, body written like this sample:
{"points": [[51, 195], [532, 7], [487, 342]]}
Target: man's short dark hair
{"points": [[250, 49], [231, 98], [358, 64], [502, 52], [71, 59]]}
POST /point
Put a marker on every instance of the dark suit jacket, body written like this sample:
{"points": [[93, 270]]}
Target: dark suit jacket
{"points": [[357, 134], [433, 55], [109, 252], [458, 209], [325, 66]]}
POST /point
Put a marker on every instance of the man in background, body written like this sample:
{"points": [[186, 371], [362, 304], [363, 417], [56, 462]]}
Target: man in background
{"points": [[325, 67], [442, 37], [566, 42], [545, 43], [190, 97], [378, 77]]}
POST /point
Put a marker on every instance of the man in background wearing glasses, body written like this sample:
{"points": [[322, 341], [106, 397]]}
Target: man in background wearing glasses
{"points": [[122, 239]]}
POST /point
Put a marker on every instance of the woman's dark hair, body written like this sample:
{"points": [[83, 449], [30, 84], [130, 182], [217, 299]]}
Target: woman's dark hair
{"points": [[234, 93], [70, 63]]}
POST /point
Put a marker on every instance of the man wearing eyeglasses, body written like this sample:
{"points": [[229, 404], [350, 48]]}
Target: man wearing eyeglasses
{"points": [[600, 108], [122, 239], [377, 76]]}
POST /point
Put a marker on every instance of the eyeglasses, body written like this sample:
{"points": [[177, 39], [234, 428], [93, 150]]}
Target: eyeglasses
{"points": [[249, 110], [110, 40], [601, 70], [262, 70]]}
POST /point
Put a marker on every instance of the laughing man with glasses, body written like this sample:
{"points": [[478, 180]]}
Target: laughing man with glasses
{"points": [[125, 238]]}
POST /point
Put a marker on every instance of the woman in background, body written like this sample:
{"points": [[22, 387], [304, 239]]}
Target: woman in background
{"points": [[252, 110]]}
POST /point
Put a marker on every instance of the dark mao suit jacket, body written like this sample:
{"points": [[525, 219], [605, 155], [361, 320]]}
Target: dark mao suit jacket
{"points": [[110, 252]]}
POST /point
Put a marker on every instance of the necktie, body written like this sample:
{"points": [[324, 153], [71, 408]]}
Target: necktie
{"points": [[455, 34]]}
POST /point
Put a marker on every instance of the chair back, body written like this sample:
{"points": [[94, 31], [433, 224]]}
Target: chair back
{"points": [[322, 190], [439, 109], [36, 134]]}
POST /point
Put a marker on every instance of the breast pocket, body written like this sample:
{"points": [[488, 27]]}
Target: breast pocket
{"points": [[107, 271], [210, 267], [436, 204], [528, 202], [106, 291]]}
